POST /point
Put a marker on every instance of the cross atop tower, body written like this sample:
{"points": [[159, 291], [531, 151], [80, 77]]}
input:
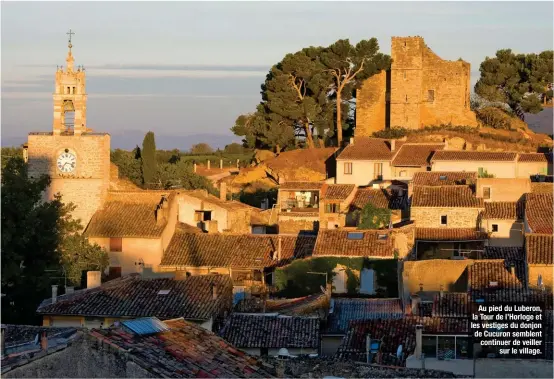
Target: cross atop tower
{"points": [[70, 34]]}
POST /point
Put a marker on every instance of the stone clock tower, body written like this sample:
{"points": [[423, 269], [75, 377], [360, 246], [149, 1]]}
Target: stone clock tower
{"points": [[76, 159]]}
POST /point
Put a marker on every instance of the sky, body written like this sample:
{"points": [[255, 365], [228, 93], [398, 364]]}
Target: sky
{"points": [[186, 70]]}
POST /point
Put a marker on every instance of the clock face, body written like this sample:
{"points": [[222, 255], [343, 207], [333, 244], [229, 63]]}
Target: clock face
{"points": [[66, 162]]}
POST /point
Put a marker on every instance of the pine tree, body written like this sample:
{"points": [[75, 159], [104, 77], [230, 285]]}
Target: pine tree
{"points": [[148, 156]]}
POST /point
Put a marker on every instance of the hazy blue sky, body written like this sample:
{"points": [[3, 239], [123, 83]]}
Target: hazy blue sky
{"points": [[186, 68]]}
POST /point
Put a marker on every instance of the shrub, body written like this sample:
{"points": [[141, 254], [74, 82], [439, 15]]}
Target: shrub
{"points": [[392, 133], [495, 118]]}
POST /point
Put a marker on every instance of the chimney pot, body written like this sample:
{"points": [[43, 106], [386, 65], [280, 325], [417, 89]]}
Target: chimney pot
{"points": [[419, 333], [392, 145], [93, 279], [54, 293]]}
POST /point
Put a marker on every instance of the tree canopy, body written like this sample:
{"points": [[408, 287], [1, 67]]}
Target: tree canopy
{"points": [[148, 156], [519, 80], [201, 148], [372, 217], [306, 97]]}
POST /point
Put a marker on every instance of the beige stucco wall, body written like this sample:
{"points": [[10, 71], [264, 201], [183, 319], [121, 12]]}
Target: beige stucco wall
{"points": [[510, 232], [362, 172], [498, 169], [406, 173], [87, 185], [187, 206], [526, 169], [503, 189], [456, 217]]}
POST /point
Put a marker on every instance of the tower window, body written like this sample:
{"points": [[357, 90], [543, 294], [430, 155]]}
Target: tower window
{"points": [[444, 220], [431, 95], [74, 90], [404, 75]]}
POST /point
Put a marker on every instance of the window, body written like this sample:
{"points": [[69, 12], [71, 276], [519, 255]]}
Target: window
{"points": [[200, 216], [403, 173], [114, 272], [332, 208], [347, 168], [355, 236], [486, 192], [378, 171], [429, 346], [431, 95], [462, 348], [406, 98], [442, 177], [116, 244], [495, 227], [382, 237], [446, 348], [444, 220], [404, 75], [73, 91]]}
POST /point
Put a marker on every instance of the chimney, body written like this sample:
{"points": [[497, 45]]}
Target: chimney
{"points": [[223, 191], [93, 279], [3, 341], [214, 292], [512, 269], [441, 292], [418, 339], [445, 144], [69, 290], [368, 347], [54, 293], [392, 145], [279, 248], [352, 140], [416, 300], [44, 341]]}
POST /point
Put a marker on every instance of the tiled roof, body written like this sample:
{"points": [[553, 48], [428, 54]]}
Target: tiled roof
{"points": [[450, 304], [233, 250], [188, 228], [535, 157], [542, 187], [370, 149], [450, 234], [538, 212], [416, 154], [503, 210], [129, 214], [271, 331], [538, 248], [303, 306], [346, 310], [131, 296], [336, 242], [21, 334], [185, 351], [443, 178], [301, 186], [294, 164], [337, 191], [508, 253], [492, 275], [396, 332], [214, 200], [516, 295], [465, 155], [445, 197], [379, 198]]}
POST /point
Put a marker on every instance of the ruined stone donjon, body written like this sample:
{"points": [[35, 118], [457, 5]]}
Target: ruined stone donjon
{"points": [[76, 159], [419, 90]]}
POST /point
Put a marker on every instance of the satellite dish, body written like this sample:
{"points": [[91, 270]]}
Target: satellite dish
{"points": [[283, 352], [399, 351]]}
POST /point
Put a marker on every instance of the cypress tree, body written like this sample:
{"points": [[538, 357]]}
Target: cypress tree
{"points": [[148, 155]]}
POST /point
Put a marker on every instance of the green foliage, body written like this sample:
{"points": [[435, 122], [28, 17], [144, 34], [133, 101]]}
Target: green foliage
{"points": [[234, 148], [392, 133], [518, 80], [201, 148], [372, 217], [255, 198], [484, 174], [293, 280], [494, 117], [9, 152], [129, 166], [148, 156], [181, 175]]}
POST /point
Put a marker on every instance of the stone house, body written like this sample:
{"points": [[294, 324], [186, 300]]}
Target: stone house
{"points": [[503, 222], [534, 164], [298, 206], [144, 348], [272, 334], [502, 189], [539, 254], [213, 214], [334, 202], [205, 300], [394, 200], [412, 158], [499, 164], [448, 219], [420, 89], [135, 227]]}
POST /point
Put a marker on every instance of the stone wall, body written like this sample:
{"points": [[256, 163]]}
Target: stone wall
{"points": [[435, 274], [371, 105], [87, 185], [456, 217], [295, 225]]}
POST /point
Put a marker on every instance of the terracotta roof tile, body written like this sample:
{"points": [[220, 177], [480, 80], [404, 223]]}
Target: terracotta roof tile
{"points": [[539, 249], [129, 214], [445, 197], [450, 304], [542, 187], [443, 178], [503, 210], [415, 154], [535, 157], [271, 331], [186, 350], [379, 198], [492, 275], [508, 253], [232, 250], [292, 164], [132, 296], [346, 310], [211, 199], [369, 149], [20, 334], [538, 212], [355, 243], [395, 332], [449, 234], [481, 156], [337, 191], [301, 186]]}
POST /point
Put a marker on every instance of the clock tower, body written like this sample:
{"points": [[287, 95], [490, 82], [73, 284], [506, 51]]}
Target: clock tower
{"points": [[76, 159]]}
